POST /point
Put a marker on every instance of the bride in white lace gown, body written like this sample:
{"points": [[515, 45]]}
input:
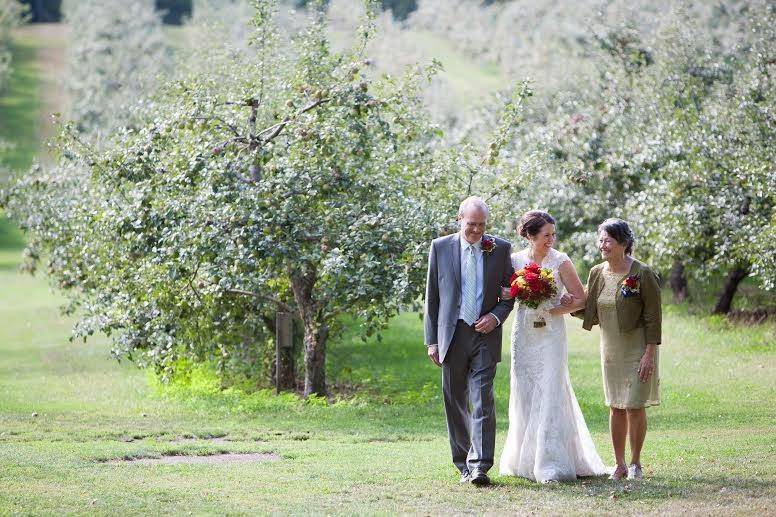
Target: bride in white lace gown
{"points": [[548, 439]]}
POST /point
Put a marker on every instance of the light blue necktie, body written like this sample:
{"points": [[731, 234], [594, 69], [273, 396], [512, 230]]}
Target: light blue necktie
{"points": [[469, 301]]}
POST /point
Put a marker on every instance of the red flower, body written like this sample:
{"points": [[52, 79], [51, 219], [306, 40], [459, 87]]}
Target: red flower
{"points": [[530, 287], [533, 280], [632, 281], [533, 267], [488, 244]]}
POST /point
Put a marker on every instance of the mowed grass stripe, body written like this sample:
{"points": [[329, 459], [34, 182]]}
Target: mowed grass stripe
{"points": [[20, 105]]}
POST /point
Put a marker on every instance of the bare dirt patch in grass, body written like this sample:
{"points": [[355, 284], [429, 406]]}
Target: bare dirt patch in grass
{"points": [[210, 458]]}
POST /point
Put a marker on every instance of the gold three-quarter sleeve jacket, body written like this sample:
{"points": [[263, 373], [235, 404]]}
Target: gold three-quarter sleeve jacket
{"points": [[638, 309]]}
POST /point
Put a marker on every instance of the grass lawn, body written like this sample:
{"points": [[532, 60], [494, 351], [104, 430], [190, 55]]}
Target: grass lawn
{"points": [[65, 408], [20, 105], [24, 110], [472, 82]]}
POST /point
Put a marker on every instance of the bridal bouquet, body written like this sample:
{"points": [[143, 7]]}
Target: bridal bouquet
{"points": [[533, 285]]}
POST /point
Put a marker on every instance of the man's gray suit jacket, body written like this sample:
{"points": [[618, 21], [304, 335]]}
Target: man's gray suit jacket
{"points": [[443, 291]]}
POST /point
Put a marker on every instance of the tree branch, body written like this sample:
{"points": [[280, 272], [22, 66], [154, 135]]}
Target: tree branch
{"points": [[252, 119], [282, 305], [226, 124], [190, 279], [277, 128], [233, 140]]}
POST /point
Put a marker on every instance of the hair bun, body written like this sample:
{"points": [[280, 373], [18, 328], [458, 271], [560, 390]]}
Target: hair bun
{"points": [[533, 221]]}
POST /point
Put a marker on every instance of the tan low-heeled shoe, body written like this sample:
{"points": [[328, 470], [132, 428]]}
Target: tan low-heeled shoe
{"points": [[635, 472], [620, 472]]}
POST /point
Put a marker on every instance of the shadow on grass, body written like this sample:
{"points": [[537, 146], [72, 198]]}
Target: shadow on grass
{"points": [[656, 488]]}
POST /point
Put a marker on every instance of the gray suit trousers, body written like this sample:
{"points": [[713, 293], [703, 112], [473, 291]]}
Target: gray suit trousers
{"points": [[467, 384]]}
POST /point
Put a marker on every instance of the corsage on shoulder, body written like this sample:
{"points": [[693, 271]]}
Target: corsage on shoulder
{"points": [[631, 286]]}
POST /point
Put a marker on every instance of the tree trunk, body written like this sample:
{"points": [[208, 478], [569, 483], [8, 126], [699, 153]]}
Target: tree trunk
{"points": [[678, 281], [316, 332], [725, 300], [315, 360]]}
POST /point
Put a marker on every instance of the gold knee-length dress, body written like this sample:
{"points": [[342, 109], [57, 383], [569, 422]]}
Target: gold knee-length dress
{"points": [[621, 353]]}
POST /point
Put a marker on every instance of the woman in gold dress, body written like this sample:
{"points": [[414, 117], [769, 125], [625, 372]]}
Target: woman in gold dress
{"points": [[623, 297]]}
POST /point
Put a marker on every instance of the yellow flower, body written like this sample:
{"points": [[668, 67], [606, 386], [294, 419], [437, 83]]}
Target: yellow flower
{"points": [[521, 282], [547, 274], [520, 272]]}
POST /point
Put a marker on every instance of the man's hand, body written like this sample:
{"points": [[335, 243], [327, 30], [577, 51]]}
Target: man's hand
{"points": [[567, 299], [486, 324], [433, 354]]}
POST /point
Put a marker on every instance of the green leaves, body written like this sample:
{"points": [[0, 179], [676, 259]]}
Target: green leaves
{"points": [[297, 181], [713, 190], [675, 139]]}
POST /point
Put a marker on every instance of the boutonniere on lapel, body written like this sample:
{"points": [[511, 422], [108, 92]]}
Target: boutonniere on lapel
{"points": [[488, 244], [630, 286]]}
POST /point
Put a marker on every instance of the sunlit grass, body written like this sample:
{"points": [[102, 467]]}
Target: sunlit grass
{"points": [[19, 125], [20, 106], [472, 82]]}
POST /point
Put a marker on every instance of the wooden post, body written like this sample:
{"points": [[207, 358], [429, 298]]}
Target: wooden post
{"points": [[284, 347]]}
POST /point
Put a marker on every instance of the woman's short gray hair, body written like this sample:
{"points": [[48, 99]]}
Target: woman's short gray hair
{"points": [[473, 202], [619, 230]]}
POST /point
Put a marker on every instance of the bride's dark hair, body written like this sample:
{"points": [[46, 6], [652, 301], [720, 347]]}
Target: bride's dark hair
{"points": [[533, 221]]}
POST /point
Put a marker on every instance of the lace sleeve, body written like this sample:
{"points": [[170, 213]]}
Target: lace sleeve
{"points": [[558, 259], [518, 260]]}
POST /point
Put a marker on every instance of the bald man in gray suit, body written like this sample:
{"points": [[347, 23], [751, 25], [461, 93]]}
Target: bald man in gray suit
{"points": [[463, 317]]}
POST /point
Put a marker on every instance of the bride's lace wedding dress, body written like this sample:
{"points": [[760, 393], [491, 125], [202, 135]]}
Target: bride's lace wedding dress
{"points": [[548, 438]]}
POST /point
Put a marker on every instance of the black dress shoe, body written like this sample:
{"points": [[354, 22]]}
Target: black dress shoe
{"points": [[465, 476], [479, 478]]}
